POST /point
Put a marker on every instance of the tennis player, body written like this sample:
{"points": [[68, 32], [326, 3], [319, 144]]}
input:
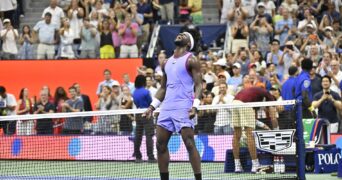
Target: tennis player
{"points": [[244, 119], [181, 76]]}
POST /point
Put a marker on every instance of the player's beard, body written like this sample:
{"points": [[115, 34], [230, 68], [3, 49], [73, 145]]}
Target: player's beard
{"points": [[180, 43]]}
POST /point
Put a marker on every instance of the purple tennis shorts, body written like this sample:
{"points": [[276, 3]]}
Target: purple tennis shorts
{"points": [[175, 120]]}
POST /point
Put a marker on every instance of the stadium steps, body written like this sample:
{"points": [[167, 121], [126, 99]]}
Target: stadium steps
{"points": [[33, 12], [210, 12]]}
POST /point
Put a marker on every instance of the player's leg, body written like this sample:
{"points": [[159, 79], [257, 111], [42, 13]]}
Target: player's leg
{"points": [[236, 148], [163, 137], [252, 148], [195, 159], [149, 132], [236, 123], [138, 138]]}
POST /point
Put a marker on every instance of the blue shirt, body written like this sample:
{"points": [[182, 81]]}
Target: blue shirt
{"points": [[303, 83], [327, 109], [288, 90], [142, 98], [280, 25]]}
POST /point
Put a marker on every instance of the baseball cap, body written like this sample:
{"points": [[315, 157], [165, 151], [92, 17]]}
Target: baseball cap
{"points": [[261, 4], [7, 21], [116, 83], [237, 65], [310, 26], [328, 28], [221, 62]]}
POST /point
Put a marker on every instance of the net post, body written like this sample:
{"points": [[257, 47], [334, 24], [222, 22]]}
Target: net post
{"points": [[300, 142]]}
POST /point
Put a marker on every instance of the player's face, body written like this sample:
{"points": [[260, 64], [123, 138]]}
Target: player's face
{"points": [[181, 40]]}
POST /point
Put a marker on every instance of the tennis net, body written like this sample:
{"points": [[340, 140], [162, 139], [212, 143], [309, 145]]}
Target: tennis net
{"points": [[109, 144]]}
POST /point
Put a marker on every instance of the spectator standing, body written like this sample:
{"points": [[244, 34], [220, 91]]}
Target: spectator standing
{"points": [[73, 125], [25, 106], [47, 32], [89, 43], [57, 13], [86, 100], [196, 11], [328, 103], [167, 10], [150, 87], [26, 41], [238, 10], [107, 82], [7, 108], [283, 27], [128, 32], [336, 76], [223, 116], [76, 14], [60, 98], [275, 55], [127, 82], [8, 7], [236, 80], [316, 79], [239, 29], [9, 35], [145, 8], [206, 118], [106, 42], [67, 38], [44, 126], [142, 99], [263, 32], [126, 120], [269, 7], [104, 124]]}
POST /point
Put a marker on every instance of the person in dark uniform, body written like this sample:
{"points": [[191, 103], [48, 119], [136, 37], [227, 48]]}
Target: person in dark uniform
{"points": [[303, 89], [288, 93], [316, 80]]}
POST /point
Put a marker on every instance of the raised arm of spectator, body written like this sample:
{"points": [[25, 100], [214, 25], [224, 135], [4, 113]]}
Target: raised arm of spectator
{"points": [[245, 30], [253, 25], [234, 30], [231, 14], [278, 29]]}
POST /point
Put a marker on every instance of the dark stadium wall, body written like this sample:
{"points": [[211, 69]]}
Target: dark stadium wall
{"points": [[34, 74]]}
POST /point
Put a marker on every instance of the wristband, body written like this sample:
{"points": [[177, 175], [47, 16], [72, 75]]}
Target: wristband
{"points": [[155, 103], [196, 103], [259, 124]]}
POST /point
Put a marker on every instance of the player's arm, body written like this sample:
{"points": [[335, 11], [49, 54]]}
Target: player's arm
{"points": [[195, 70], [160, 95]]}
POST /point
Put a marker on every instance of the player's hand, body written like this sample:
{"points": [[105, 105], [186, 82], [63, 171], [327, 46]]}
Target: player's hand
{"points": [[192, 112], [148, 113]]}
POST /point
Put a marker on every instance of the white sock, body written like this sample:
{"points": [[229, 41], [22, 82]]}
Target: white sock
{"points": [[255, 162], [237, 162]]}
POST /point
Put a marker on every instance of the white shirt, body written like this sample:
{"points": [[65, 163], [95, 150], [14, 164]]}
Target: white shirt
{"points": [[57, 14], [7, 5], [153, 91], [223, 116], [9, 43], [226, 5], [335, 87], [269, 7], [250, 7], [10, 101]]}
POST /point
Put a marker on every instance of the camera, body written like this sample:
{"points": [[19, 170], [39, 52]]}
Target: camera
{"points": [[289, 47], [2, 104], [328, 93]]}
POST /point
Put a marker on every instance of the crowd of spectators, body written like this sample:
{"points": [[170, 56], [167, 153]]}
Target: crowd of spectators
{"points": [[276, 36], [72, 29]]}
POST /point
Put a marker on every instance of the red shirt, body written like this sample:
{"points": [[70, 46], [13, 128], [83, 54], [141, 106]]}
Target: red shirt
{"points": [[254, 94]]}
